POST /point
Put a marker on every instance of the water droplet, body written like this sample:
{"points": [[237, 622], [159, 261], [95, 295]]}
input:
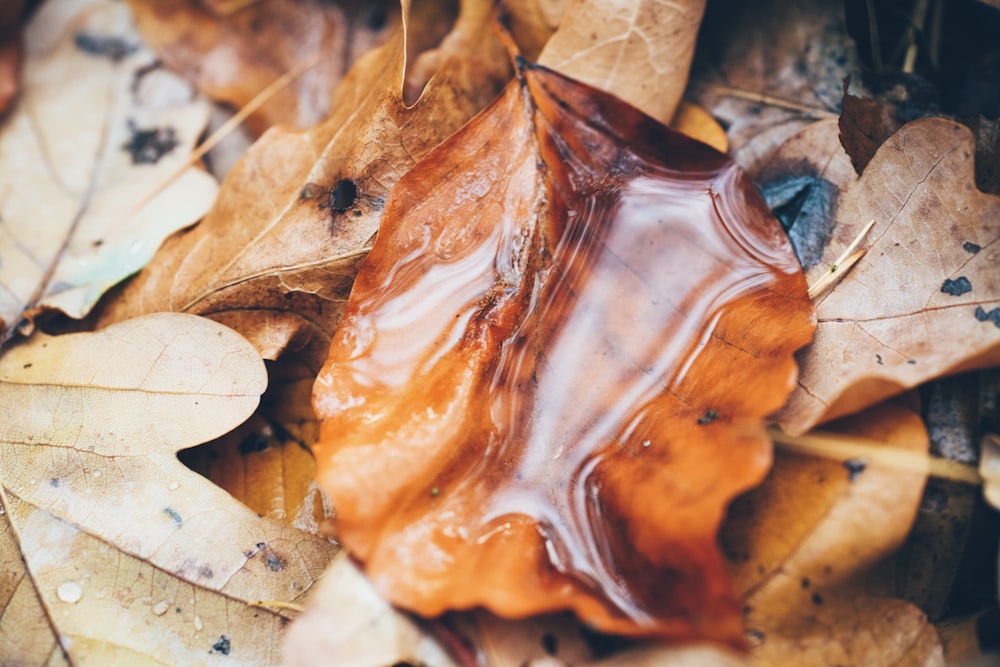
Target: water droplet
{"points": [[198, 625], [69, 591], [161, 607], [173, 486]]}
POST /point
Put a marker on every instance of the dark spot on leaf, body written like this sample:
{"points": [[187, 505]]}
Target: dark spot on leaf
{"points": [[878, 358], [261, 545], [275, 563], [253, 443], [343, 195], [222, 646], [755, 637], [98, 243], [956, 287], [147, 146], [356, 212], [173, 514], [969, 246], [54, 483], [912, 362], [28, 365], [817, 598], [205, 572], [988, 316], [709, 417], [550, 643], [256, 26], [106, 46], [805, 582], [377, 21], [854, 468]]}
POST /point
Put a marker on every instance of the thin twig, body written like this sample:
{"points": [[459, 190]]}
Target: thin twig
{"points": [[769, 100], [844, 447], [917, 22], [277, 604], [873, 38], [842, 264]]}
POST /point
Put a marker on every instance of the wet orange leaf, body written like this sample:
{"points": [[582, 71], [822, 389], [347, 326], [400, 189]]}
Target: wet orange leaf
{"points": [[547, 383]]}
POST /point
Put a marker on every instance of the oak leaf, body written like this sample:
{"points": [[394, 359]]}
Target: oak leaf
{"points": [[112, 549], [308, 203], [920, 304], [569, 310], [808, 547], [74, 196], [640, 51]]}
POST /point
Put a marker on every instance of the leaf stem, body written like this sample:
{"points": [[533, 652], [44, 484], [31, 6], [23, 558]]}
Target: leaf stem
{"points": [[844, 447], [842, 264]]}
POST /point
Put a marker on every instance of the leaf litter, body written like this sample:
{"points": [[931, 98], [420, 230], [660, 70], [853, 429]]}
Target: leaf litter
{"points": [[274, 426]]}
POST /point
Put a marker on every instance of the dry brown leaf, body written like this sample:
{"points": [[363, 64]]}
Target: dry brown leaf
{"points": [[925, 299], [473, 460], [802, 545], [782, 64], [72, 182], [638, 50], [128, 553], [309, 203], [233, 55], [532, 23], [350, 625]]}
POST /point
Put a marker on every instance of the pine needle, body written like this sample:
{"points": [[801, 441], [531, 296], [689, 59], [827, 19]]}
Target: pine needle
{"points": [[278, 604], [842, 264], [769, 100], [844, 447]]}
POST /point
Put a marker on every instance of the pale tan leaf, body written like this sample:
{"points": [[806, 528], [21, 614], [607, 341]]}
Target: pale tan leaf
{"points": [[351, 625], [638, 50], [97, 128], [88, 444], [925, 299]]}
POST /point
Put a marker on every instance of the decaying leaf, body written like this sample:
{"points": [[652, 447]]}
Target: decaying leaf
{"points": [[639, 51], [128, 554], [308, 203], [569, 311], [74, 207], [803, 547], [234, 52], [925, 299], [768, 69]]}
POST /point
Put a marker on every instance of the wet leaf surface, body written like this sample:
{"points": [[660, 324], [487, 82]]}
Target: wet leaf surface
{"points": [[464, 443]]}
